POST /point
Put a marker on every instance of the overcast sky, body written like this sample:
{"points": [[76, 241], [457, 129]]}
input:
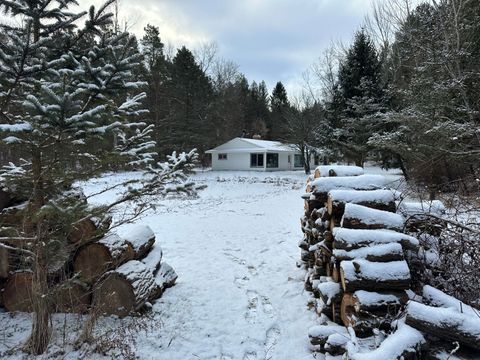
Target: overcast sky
{"points": [[271, 40]]}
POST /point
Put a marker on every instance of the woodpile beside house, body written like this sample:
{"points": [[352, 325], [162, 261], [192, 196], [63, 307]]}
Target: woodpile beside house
{"points": [[356, 254], [115, 274]]}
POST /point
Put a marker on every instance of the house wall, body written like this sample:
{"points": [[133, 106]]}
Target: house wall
{"points": [[237, 161], [241, 161]]}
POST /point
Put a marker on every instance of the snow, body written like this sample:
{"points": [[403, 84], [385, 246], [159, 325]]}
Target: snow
{"points": [[414, 208], [359, 238], [436, 297], [356, 196], [374, 250], [448, 317], [327, 330], [152, 260], [373, 216], [393, 270], [114, 243], [137, 235], [329, 289], [370, 299], [362, 182], [238, 291], [340, 170], [392, 347]]}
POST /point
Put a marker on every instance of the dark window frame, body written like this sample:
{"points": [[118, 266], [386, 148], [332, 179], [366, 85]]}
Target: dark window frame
{"points": [[256, 156], [223, 156], [295, 164], [275, 160]]}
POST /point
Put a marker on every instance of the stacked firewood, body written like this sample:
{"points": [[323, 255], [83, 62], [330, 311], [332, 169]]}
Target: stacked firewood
{"points": [[100, 270], [354, 251]]}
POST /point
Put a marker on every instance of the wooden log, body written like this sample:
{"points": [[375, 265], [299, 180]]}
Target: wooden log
{"points": [[319, 334], [361, 217], [141, 238], [336, 344], [17, 294], [88, 230], [124, 290], [405, 343], [435, 297], [4, 263], [92, 260], [350, 239], [388, 302], [444, 323], [337, 170], [72, 297], [323, 185], [365, 275], [164, 279], [330, 292], [375, 199], [376, 253]]}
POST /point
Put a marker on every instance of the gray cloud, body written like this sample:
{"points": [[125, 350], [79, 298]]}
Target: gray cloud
{"points": [[271, 40]]}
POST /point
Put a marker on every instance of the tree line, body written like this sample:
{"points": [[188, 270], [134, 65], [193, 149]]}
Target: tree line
{"points": [[406, 93]]}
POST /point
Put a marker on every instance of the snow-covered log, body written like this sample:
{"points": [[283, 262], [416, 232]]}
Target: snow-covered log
{"points": [[92, 260], [337, 170], [330, 292], [164, 279], [445, 323], [365, 275], [336, 344], [83, 231], [375, 199], [405, 344], [154, 258], [141, 238], [361, 217], [369, 301], [349, 239], [322, 186], [17, 294], [435, 297], [124, 290], [319, 334], [377, 253], [408, 209]]}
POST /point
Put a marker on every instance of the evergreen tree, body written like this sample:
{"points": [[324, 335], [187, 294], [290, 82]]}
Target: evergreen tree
{"points": [[63, 88], [188, 124], [279, 105], [362, 98]]}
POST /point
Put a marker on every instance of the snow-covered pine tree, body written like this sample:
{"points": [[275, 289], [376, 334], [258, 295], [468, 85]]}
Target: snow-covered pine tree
{"points": [[362, 98], [69, 107]]}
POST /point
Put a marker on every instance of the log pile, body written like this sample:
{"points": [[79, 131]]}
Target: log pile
{"points": [[112, 273], [355, 254]]}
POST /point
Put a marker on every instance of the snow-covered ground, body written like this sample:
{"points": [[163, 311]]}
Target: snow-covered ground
{"points": [[239, 294]]}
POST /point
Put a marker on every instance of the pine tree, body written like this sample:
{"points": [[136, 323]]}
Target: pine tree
{"points": [[362, 98], [62, 89], [190, 92], [279, 105]]}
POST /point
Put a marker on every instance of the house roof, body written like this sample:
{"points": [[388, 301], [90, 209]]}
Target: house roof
{"points": [[252, 145]]}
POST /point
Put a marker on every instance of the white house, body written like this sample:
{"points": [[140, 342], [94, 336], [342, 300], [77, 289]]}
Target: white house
{"points": [[252, 154]]}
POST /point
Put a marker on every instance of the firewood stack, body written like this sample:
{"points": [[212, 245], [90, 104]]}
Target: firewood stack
{"points": [[110, 273], [354, 251]]}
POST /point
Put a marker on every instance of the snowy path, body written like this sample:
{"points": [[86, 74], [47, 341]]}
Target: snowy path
{"points": [[239, 293]]}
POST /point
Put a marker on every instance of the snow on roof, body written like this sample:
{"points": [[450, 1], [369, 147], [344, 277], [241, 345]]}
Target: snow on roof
{"points": [[249, 145]]}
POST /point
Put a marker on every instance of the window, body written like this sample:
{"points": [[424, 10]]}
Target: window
{"points": [[317, 159], [222, 156], [289, 159], [272, 160], [256, 160], [297, 160]]}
